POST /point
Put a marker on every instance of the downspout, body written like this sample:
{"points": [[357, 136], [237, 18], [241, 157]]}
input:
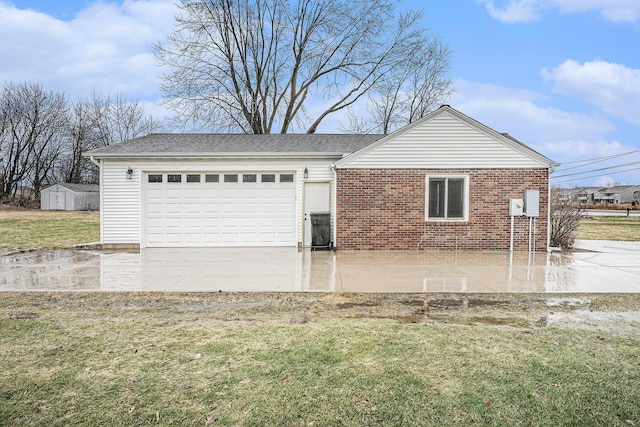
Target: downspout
{"points": [[334, 214], [550, 171]]}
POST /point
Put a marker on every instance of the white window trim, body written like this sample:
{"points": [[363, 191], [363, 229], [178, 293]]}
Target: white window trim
{"points": [[465, 207]]}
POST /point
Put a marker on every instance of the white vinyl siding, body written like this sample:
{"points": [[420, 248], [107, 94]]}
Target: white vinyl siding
{"points": [[120, 209], [444, 142], [122, 217]]}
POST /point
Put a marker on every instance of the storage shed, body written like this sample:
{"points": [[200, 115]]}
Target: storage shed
{"points": [[70, 197]]}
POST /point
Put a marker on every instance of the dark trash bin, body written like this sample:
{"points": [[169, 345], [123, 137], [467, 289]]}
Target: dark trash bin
{"points": [[320, 230]]}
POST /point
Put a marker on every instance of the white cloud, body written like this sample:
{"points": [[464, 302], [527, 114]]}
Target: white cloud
{"points": [[612, 10], [517, 112], [530, 10], [514, 10], [604, 181], [612, 87], [581, 149], [106, 47]]}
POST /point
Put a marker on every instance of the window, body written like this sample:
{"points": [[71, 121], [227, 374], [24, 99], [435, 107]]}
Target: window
{"points": [[268, 177], [212, 178], [249, 177], [193, 178], [155, 178], [230, 178], [447, 198], [174, 178], [286, 177]]}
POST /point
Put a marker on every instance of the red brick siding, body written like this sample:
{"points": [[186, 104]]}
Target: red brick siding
{"points": [[385, 209]]}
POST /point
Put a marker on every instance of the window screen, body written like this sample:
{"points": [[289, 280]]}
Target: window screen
{"points": [[446, 198]]}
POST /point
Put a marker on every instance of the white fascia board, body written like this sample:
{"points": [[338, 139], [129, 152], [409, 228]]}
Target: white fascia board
{"points": [[285, 155]]}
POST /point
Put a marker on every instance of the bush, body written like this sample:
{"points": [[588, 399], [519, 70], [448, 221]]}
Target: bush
{"points": [[565, 221]]}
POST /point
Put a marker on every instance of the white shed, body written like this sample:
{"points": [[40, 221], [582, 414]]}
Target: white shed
{"points": [[70, 197]]}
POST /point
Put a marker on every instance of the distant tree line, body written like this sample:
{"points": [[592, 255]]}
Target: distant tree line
{"points": [[43, 134]]}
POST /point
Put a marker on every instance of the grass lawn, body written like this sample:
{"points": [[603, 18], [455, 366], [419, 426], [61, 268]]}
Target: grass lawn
{"points": [[610, 228], [325, 359], [26, 229], [310, 359]]}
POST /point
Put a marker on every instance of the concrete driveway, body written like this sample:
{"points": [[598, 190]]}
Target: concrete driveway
{"points": [[607, 267]]}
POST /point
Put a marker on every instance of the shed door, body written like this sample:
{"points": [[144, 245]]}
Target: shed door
{"points": [[219, 209], [57, 200]]}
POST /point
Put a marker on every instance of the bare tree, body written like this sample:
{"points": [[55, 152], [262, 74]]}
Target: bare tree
{"points": [[257, 65], [116, 119], [98, 121], [81, 137], [32, 131], [413, 89]]}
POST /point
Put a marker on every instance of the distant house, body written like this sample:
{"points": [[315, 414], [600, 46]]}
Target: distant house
{"points": [[601, 195], [583, 195], [443, 182], [617, 194], [70, 197]]}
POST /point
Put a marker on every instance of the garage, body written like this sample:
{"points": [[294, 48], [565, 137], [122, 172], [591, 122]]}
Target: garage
{"points": [[246, 208]]}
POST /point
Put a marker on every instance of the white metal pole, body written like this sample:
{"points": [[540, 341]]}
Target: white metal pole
{"points": [[511, 244]]}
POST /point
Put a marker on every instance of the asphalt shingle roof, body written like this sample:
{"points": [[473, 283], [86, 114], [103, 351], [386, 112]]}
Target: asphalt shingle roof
{"points": [[78, 187], [194, 144]]}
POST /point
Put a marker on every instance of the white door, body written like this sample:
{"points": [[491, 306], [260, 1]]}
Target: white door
{"points": [[219, 209], [317, 198], [57, 200]]}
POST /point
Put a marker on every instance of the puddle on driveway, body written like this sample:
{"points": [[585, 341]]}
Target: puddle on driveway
{"points": [[287, 270]]}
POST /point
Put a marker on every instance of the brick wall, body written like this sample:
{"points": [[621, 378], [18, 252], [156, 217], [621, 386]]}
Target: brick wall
{"points": [[385, 209]]}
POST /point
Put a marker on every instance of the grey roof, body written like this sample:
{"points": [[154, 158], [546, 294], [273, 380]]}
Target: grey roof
{"points": [[86, 188], [191, 144]]}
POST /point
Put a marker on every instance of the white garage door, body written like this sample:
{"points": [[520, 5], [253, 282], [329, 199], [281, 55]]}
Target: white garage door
{"points": [[219, 209]]}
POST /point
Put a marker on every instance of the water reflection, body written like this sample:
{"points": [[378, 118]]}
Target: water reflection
{"points": [[287, 270]]}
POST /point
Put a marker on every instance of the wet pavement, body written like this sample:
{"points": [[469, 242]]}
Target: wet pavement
{"points": [[597, 267]]}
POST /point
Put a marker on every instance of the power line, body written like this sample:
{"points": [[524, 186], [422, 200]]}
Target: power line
{"points": [[597, 170], [595, 176], [595, 160]]}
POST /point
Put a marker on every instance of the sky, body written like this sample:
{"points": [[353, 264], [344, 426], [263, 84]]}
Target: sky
{"points": [[562, 76]]}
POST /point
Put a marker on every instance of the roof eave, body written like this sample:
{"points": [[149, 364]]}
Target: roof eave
{"points": [[225, 155]]}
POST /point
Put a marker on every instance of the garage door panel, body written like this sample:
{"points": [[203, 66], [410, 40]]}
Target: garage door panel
{"points": [[219, 213]]}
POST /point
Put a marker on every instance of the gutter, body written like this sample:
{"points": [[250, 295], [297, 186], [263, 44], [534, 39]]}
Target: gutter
{"points": [[334, 190], [214, 155]]}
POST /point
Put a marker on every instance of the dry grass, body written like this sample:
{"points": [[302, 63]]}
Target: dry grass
{"points": [[352, 360], [27, 229], [610, 228]]}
